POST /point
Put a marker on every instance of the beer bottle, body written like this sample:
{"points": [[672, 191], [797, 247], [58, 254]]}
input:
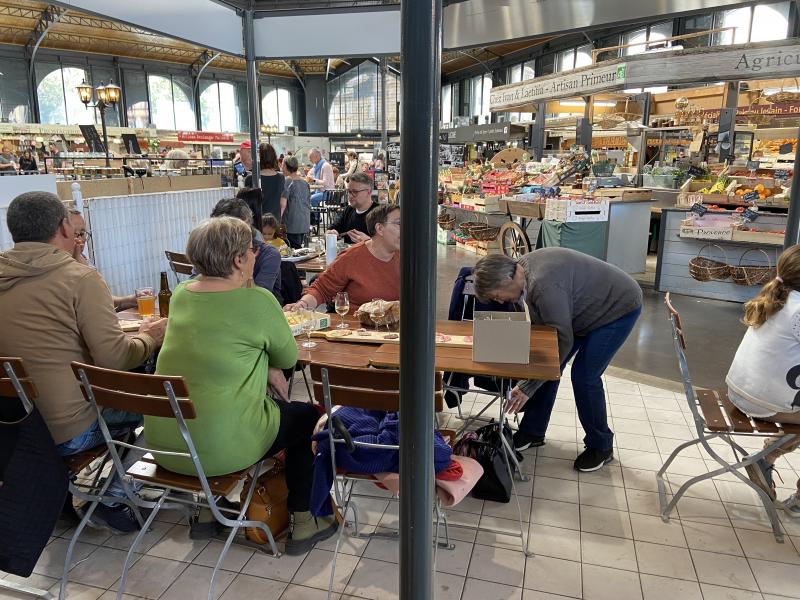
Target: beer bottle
{"points": [[164, 295]]}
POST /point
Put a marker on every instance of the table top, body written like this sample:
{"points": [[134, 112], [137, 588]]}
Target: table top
{"points": [[315, 265], [544, 362]]}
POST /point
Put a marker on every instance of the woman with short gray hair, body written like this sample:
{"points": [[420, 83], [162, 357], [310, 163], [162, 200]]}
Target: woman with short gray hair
{"points": [[230, 340], [593, 307]]}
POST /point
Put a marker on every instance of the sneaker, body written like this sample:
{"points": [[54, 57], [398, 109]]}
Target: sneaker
{"points": [[120, 518], [792, 506], [523, 441], [306, 530], [592, 459], [760, 473]]}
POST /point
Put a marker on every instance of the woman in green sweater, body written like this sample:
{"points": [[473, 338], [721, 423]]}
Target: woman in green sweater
{"points": [[229, 341]]}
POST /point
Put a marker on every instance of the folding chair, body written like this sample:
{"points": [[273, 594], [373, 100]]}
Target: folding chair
{"points": [[709, 410], [179, 263], [167, 397]]}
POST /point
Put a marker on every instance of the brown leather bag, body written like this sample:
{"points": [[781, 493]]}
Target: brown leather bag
{"points": [[268, 504]]}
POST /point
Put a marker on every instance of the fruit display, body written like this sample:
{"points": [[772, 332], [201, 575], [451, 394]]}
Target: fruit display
{"points": [[763, 192], [773, 146], [719, 186]]}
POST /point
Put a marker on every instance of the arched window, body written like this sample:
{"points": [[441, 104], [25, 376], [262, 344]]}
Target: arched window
{"points": [[170, 102], [277, 107], [58, 100]]}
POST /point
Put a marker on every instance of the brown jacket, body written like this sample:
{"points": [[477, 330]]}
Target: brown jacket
{"points": [[54, 310]]}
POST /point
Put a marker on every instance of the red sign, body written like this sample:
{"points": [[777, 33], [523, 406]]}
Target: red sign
{"points": [[204, 136]]}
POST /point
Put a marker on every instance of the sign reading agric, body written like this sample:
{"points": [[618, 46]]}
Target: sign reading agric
{"points": [[560, 85]]}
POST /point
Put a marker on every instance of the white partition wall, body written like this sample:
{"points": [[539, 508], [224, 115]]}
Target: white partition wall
{"points": [[131, 233]]}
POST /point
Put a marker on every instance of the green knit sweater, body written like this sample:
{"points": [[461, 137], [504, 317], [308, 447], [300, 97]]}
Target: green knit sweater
{"points": [[222, 343]]}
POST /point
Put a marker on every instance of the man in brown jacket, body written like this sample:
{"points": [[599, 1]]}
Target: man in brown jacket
{"points": [[54, 310]]}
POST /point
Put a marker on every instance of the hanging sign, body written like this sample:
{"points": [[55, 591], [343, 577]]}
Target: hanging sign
{"points": [[562, 85], [204, 136], [699, 209]]}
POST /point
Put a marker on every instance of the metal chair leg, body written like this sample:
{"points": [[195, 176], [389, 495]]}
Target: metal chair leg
{"points": [[135, 544]]}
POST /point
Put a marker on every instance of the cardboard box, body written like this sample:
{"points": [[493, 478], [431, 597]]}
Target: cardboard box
{"points": [[322, 321], [501, 337], [568, 210]]}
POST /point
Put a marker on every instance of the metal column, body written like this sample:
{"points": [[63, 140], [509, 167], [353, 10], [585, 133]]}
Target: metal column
{"points": [[384, 133], [537, 133], [421, 61], [253, 101], [793, 218]]}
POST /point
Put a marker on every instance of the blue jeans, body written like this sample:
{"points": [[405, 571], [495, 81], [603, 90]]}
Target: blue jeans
{"points": [[593, 352], [119, 422], [316, 198]]}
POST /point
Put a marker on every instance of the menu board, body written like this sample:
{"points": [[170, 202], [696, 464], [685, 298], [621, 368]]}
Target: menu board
{"points": [[393, 161], [451, 155], [92, 138]]}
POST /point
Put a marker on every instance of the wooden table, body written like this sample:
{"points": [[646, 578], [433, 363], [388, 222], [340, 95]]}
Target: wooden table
{"points": [[335, 353], [314, 265], [544, 362]]}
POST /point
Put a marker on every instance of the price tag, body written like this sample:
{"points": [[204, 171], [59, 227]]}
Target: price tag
{"points": [[781, 173], [749, 214], [785, 148], [699, 209], [750, 196], [696, 171], [752, 165]]}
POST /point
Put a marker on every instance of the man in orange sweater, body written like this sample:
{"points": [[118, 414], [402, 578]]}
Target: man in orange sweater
{"points": [[365, 271]]}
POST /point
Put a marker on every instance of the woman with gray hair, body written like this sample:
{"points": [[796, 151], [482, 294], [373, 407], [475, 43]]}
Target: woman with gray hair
{"points": [[593, 306], [230, 340]]}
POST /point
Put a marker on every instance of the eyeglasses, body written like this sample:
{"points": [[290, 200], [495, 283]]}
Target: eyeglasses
{"points": [[353, 192], [392, 223], [85, 234]]}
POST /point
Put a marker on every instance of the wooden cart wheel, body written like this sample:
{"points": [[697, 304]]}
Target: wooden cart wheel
{"points": [[513, 240]]}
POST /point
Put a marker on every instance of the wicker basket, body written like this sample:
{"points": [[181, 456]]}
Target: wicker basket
{"points": [[752, 274], [707, 269], [446, 221], [783, 96], [467, 226]]}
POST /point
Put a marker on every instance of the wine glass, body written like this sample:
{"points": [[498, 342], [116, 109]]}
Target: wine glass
{"points": [[307, 325], [378, 312], [342, 305]]}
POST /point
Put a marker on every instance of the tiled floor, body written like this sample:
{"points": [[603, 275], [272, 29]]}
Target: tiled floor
{"points": [[595, 536]]}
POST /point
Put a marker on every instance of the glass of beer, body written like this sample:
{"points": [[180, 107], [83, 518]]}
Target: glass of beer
{"points": [[146, 301]]}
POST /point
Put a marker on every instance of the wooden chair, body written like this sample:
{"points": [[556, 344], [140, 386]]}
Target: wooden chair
{"points": [[370, 389], [167, 397], [179, 263], [716, 417]]}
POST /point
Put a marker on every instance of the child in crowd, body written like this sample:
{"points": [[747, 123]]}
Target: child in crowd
{"points": [[764, 378], [270, 229]]}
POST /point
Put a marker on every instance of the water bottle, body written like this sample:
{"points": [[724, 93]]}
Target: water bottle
{"points": [[330, 247]]}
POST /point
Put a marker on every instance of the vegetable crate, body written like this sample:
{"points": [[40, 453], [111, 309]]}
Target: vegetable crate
{"points": [[690, 194]]}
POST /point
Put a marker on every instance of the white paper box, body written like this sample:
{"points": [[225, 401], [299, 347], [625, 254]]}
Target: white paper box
{"points": [[501, 337]]}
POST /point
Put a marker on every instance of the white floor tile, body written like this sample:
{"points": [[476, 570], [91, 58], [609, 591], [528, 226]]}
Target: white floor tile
{"points": [[194, 583], [556, 514], [777, 578], [247, 587], [602, 583], [665, 588], [648, 528], [499, 565], [151, 576], [711, 538], [723, 570], [607, 551], [553, 575], [475, 589], [316, 570], [666, 561]]}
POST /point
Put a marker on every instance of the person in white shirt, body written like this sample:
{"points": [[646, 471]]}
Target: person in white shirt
{"points": [[321, 174], [764, 378]]}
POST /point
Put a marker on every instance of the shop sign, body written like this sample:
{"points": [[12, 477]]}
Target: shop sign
{"points": [[204, 136], [782, 109], [491, 132], [562, 85]]}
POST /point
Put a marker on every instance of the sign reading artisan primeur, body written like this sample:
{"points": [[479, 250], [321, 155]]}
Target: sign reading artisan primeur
{"points": [[579, 83], [742, 62]]}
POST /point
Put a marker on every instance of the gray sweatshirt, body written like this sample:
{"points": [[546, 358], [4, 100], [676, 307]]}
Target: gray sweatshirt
{"points": [[575, 293]]}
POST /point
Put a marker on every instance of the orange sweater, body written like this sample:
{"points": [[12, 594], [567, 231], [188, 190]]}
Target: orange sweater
{"points": [[357, 272]]}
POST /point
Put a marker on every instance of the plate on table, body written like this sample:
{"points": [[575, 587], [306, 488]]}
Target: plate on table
{"points": [[370, 336], [129, 325], [302, 256]]}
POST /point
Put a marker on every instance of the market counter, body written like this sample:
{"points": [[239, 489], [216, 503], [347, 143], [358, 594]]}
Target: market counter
{"points": [[675, 252], [96, 188], [622, 240]]}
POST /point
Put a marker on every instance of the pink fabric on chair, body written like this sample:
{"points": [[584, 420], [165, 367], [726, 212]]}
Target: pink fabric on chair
{"points": [[449, 492]]}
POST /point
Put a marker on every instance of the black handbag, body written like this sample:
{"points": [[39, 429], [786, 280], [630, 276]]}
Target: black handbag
{"points": [[486, 447]]}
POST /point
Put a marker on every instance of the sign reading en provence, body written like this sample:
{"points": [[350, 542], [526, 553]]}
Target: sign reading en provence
{"points": [[563, 85]]}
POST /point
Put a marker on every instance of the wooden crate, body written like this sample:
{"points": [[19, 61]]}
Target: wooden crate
{"points": [[624, 193], [489, 203], [758, 237], [690, 194], [519, 208]]}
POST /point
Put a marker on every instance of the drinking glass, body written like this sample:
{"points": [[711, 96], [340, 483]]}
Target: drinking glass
{"points": [[307, 325], [146, 302], [342, 305], [378, 312]]}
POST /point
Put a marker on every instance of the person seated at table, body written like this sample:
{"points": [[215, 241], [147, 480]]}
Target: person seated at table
{"points": [[593, 306], [27, 163], [352, 223], [267, 270], [350, 168], [8, 161], [230, 342], [763, 378], [295, 204], [82, 236], [365, 271], [321, 174], [55, 310]]}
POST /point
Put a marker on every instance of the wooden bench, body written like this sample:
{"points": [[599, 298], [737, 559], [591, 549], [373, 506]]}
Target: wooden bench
{"points": [[721, 416]]}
